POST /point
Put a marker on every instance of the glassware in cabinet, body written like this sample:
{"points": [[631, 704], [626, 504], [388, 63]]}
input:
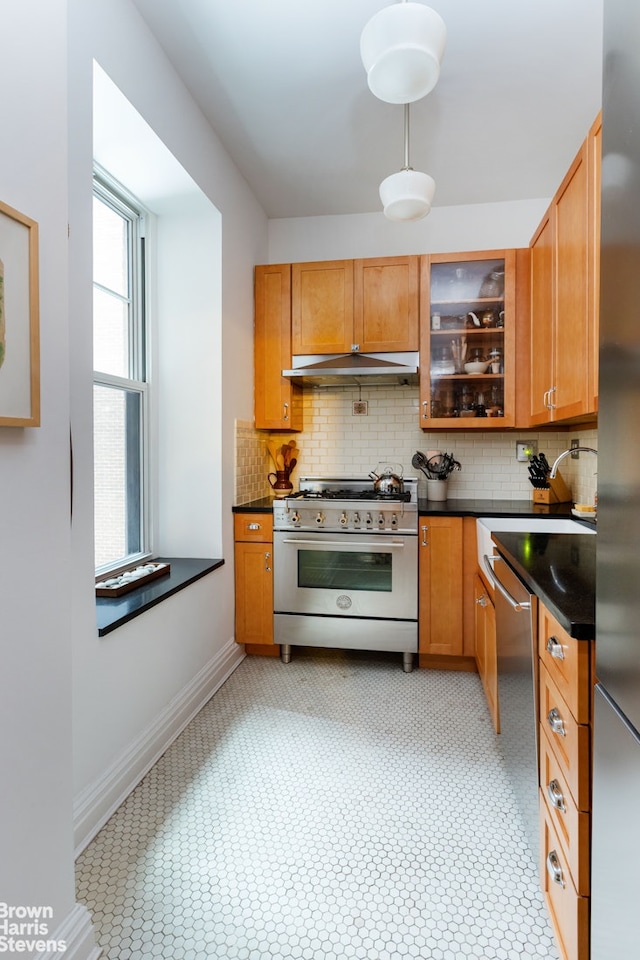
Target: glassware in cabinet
{"points": [[467, 340]]}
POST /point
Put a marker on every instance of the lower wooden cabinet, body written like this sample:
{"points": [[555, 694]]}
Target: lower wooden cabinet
{"points": [[254, 580], [440, 584], [565, 704], [486, 650]]}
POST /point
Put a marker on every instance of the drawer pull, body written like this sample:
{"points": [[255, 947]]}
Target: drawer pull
{"points": [[253, 526], [556, 796], [555, 648], [554, 869], [556, 723]]}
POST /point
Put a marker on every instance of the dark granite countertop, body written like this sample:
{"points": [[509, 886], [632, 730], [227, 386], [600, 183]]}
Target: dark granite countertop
{"points": [[492, 508], [264, 505], [560, 568], [455, 508]]}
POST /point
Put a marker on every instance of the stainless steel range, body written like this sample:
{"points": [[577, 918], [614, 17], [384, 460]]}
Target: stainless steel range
{"points": [[346, 567]]}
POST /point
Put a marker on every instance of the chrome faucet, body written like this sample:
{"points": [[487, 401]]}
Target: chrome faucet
{"points": [[566, 453]]}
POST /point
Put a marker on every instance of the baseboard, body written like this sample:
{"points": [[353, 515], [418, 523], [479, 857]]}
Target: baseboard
{"points": [[431, 661], [98, 801], [77, 935]]}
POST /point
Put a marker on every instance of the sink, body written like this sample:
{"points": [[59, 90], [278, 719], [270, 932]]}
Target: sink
{"points": [[486, 525]]}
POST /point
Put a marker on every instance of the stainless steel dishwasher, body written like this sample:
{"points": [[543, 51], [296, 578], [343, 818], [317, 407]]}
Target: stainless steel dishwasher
{"points": [[516, 619]]}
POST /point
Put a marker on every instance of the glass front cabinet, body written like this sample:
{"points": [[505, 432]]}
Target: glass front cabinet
{"points": [[467, 340]]}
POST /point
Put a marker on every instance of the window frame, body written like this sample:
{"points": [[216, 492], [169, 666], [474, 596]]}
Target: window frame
{"points": [[115, 196]]}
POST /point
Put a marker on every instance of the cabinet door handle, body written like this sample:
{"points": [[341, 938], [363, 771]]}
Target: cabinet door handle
{"points": [[425, 409], [556, 722], [545, 399], [285, 415], [556, 796], [425, 542], [552, 405], [267, 562], [555, 648], [554, 869]]}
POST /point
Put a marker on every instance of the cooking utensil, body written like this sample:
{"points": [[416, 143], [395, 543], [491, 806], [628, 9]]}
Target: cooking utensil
{"points": [[387, 478]]}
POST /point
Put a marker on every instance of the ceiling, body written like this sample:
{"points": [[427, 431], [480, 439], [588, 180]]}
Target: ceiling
{"points": [[284, 87]]}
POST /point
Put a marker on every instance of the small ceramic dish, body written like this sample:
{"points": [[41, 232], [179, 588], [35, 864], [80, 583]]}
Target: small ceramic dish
{"points": [[476, 366]]}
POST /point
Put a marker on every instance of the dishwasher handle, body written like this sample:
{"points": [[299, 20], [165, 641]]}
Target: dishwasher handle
{"points": [[515, 604]]}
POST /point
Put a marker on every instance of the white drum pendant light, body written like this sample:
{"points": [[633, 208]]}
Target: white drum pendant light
{"points": [[407, 195], [401, 49]]}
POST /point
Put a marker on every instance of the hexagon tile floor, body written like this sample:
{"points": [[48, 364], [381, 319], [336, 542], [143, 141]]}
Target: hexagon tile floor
{"points": [[333, 807]]}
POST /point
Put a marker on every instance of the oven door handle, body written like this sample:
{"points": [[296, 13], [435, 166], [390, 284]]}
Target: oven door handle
{"points": [[519, 606], [342, 543]]}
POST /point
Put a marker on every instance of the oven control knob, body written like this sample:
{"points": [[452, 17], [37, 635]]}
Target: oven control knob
{"points": [[381, 520], [344, 520], [295, 517], [394, 520], [356, 518], [320, 519], [368, 520]]}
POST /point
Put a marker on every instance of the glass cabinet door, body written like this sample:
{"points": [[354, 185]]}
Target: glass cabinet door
{"points": [[467, 341]]}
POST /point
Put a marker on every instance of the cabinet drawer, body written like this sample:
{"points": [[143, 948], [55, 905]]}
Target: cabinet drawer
{"points": [[569, 741], [253, 527], [569, 912], [571, 825], [567, 661]]}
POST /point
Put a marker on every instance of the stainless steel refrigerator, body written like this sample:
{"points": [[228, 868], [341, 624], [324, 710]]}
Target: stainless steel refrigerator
{"points": [[615, 890]]}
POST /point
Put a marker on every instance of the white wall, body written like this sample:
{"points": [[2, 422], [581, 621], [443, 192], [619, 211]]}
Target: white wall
{"points": [[36, 860], [482, 226], [129, 686]]}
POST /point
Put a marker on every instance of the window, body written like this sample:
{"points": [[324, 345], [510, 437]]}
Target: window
{"points": [[120, 391]]}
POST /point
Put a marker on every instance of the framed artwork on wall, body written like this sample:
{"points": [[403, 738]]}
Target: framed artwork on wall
{"points": [[19, 320]]}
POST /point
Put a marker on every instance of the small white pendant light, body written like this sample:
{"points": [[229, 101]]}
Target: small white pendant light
{"points": [[401, 49], [407, 195]]}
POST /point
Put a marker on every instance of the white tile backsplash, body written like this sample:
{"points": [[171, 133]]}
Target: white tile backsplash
{"points": [[335, 442]]}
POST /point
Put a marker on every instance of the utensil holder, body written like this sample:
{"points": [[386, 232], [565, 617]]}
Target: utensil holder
{"points": [[282, 486], [556, 492], [437, 489]]}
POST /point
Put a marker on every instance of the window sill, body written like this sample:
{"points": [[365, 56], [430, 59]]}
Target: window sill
{"points": [[113, 613]]}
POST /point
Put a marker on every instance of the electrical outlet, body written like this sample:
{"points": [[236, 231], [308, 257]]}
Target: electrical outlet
{"points": [[360, 408], [526, 449], [576, 454]]}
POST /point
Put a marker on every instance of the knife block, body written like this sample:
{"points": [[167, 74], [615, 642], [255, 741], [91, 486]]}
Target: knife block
{"points": [[556, 492]]}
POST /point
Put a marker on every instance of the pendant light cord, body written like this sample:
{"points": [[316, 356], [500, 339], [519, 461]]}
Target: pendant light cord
{"points": [[407, 165]]}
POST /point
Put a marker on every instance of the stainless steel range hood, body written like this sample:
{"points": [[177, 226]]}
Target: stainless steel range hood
{"points": [[355, 369]]}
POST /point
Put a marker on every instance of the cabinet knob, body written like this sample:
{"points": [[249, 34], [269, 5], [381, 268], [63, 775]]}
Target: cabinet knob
{"points": [[482, 601], [556, 796], [554, 869], [556, 722], [555, 648]]}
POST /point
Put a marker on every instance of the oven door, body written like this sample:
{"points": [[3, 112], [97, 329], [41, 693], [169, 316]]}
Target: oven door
{"points": [[346, 575]]}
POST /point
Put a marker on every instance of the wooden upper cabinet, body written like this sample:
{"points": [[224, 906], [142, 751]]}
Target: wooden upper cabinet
{"points": [[564, 295], [386, 304], [368, 306], [277, 400], [573, 275], [322, 307], [594, 142], [541, 340]]}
